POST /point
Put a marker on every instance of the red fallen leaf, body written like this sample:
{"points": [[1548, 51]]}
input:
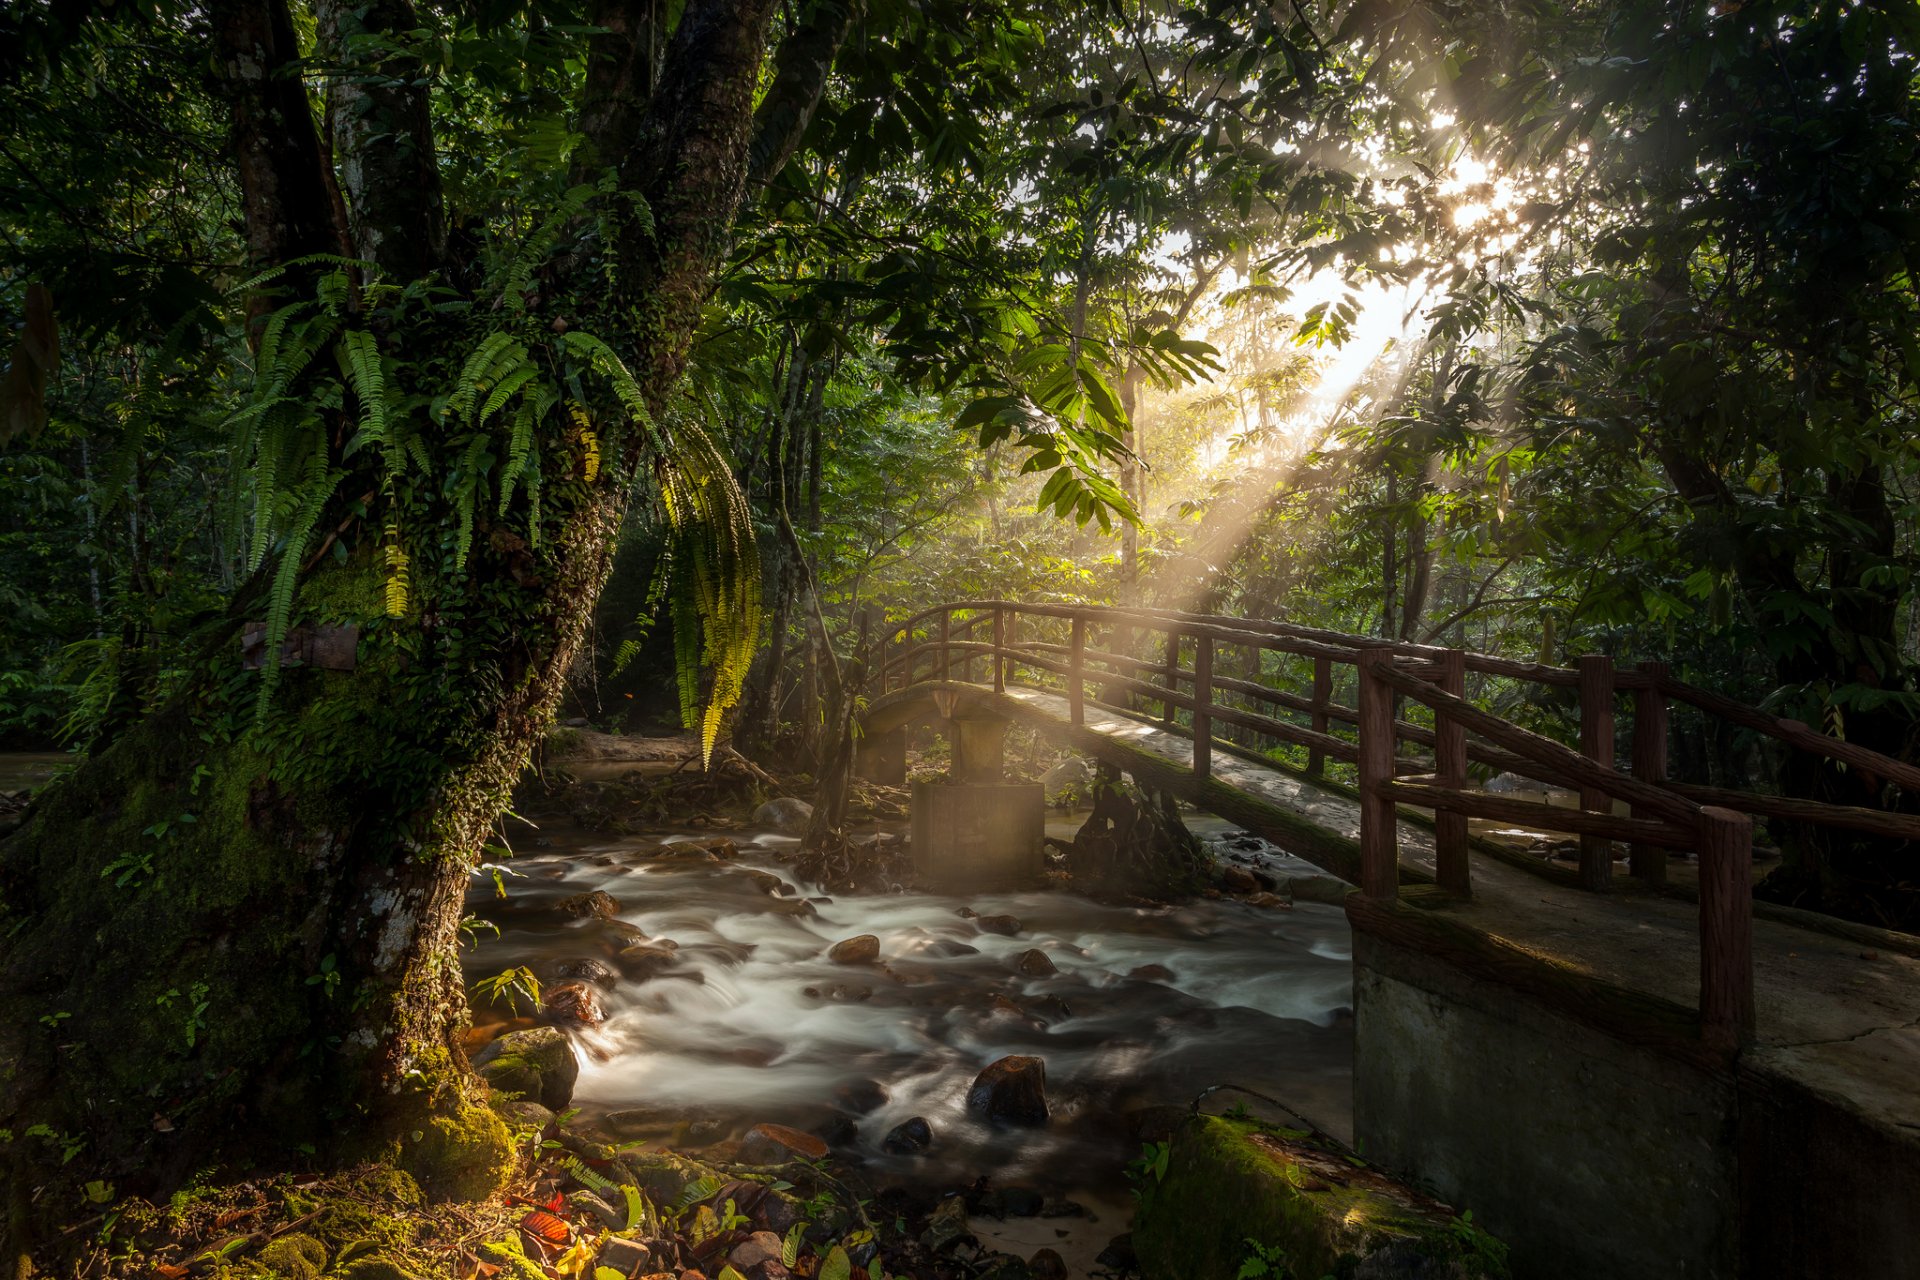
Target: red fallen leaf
{"points": [[543, 1225], [167, 1271], [556, 1204]]}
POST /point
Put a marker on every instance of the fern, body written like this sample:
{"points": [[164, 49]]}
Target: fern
{"points": [[466, 494], [495, 352], [395, 592], [312, 498], [360, 362], [540, 245]]}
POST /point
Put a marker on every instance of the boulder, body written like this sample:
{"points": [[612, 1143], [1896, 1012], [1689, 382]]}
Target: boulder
{"points": [[1229, 1181], [1238, 880], [1005, 926], [589, 969], [864, 949], [1318, 889], [786, 815], [648, 959], [777, 1144], [538, 1064], [1012, 1090], [595, 905], [908, 1138], [1036, 963], [1045, 1264], [1151, 973], [1069, 780], [862, 1096], [574, 1002]]}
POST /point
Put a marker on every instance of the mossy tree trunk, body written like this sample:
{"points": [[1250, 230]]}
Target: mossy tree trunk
{"points": [[228, 934]]}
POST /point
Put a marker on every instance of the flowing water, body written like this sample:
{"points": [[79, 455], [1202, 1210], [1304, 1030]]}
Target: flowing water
{"points": [[750, 1022]]}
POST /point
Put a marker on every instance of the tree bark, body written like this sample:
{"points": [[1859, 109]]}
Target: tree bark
{"points": [[223, 938]]}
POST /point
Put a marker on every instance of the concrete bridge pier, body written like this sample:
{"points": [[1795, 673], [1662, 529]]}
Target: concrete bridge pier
{"points": [[972, 830]]}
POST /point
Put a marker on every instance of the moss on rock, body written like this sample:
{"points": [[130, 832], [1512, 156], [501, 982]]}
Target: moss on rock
{"points": [[1236, 1188], [465, 1153], [295, 1257]]}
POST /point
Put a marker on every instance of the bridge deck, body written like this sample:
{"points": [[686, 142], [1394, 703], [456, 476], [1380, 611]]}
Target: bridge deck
{"points": [[1841, 1013]]}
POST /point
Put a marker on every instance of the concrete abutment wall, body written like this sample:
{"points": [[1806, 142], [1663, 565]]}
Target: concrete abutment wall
{"points": [[1597, 1158]]}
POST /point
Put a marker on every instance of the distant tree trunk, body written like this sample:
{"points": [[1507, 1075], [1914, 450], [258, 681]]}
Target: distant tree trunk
{"points": [[254, 929]]}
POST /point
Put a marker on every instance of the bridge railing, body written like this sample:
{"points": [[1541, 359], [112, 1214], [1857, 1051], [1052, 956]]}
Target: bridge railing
{"points": [[1173, 661]]}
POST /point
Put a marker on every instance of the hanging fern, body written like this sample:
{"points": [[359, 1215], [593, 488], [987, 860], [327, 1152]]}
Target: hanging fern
{"points": [[396, 588], [310, 500]]}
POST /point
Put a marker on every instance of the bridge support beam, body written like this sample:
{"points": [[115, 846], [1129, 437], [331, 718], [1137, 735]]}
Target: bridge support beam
{"points": [[979, 749]]}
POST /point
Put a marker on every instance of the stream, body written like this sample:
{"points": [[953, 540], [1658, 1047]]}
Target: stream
{"points": [[745, 1020]]}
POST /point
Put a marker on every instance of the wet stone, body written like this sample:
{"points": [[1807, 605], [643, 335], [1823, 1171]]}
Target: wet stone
{"points": [[1036, 963], [1005, 926], [1151, 973], [786, 815], [864, 949], [1238, 880], [1012, 1090], [862, 1096], [597, 904], [1045, 1264], [589, 969], [575, 1002], [908, 1138]]}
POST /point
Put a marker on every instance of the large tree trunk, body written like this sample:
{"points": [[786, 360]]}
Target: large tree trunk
{"points": [[219, 935]]}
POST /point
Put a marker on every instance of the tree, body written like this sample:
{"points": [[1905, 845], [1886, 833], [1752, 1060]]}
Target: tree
{"points": [[249, 900]]}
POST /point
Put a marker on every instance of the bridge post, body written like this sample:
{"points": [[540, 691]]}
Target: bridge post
{"points": [[1450, 771], [946, 638], [1202, 706], [1726, 928], [1379, 840], [1167, 709], [1322, 695], [1596, 744], [999, 659], [1076, 674], [1647, 862]]}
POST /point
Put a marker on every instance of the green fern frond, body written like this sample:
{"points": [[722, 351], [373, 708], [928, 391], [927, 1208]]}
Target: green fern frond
{"points": [[360, 361], [312, 498], [466, 494], [482, 367], [519, 448]]}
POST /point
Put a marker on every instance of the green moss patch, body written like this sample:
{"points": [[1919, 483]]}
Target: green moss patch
{"points": [[1235, 1192]]}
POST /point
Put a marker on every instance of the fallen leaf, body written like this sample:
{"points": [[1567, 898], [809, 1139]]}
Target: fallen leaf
{"points": [[545, 1226]]}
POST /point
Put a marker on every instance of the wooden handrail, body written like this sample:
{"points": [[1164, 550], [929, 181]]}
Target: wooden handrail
{"points": [[945, 642]]}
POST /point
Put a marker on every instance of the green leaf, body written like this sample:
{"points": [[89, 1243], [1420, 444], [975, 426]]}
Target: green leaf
{"points": [[837, 1265]]}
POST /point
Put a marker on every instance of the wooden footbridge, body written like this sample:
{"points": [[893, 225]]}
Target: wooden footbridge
{"points": [[1672, 957]]}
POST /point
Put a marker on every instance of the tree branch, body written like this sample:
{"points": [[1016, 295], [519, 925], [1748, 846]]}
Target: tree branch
{"points": [[689, 162], [800, 70]]}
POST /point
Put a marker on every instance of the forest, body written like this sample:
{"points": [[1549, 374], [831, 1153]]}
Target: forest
{"points": [[410, 409]]}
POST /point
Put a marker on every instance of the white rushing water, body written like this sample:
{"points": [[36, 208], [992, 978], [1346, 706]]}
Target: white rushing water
{"points": [[751, 1022]]}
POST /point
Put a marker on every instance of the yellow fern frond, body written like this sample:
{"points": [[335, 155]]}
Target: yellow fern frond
{"points": [[588, 441], [396, 586]]}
